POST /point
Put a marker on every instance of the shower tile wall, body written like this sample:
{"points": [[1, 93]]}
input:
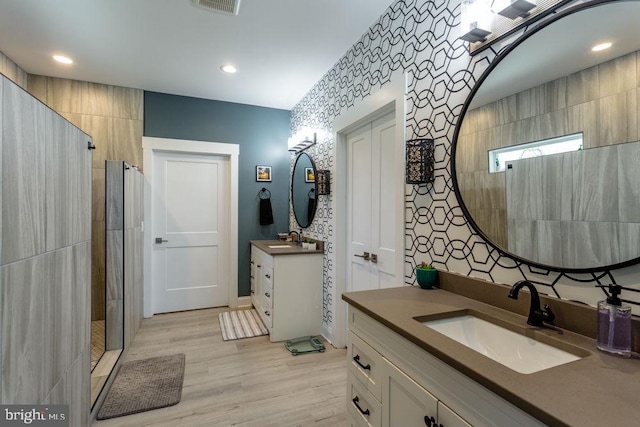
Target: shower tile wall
{"points": [[45, 269], [113, 116]]}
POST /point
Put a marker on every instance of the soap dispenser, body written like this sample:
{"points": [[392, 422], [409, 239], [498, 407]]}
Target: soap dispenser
{"points": [[614, 324]]}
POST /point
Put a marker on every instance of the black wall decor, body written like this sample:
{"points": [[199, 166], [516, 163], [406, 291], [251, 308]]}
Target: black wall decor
{"points": [[419, 161], [323, 182]]}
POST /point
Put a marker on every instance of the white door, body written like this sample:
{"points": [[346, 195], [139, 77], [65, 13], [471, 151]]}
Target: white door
{"points": [[190, 204], [372, 223]]}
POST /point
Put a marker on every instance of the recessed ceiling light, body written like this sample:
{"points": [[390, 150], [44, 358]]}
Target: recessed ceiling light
{"points": [[63, 59], [601, 46], [228, 68]]}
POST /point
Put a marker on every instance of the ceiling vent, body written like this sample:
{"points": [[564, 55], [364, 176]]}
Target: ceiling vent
{"points": [[228, 7]]}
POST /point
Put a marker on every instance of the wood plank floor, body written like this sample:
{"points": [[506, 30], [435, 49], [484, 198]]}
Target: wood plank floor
{"points": [[248, 382]]}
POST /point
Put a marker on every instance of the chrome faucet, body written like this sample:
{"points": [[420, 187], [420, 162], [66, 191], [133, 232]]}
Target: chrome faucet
{"points": [[537, 316], [298, 237]]}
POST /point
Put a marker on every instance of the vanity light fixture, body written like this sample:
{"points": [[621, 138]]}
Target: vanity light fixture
{"points": [[228, 68], [63, 59], [475, 21], [513, 9], [298, 147], [601, 46]]}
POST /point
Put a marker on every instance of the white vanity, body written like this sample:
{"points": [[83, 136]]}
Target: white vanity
{"points": [[286, 288]]}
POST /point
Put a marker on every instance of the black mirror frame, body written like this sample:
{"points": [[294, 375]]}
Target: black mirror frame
{"points": [[315, 189], [454, 180]]}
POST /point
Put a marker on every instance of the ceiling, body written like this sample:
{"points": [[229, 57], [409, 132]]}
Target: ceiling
{"points": [[280, 47], [564, 48]]}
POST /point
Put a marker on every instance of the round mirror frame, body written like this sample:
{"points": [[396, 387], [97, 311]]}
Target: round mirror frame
{"points": [[315, 189], [456, 188]]}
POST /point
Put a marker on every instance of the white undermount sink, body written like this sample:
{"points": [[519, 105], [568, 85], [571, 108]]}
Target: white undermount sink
{"points": [[511, 349], [279, 246]]}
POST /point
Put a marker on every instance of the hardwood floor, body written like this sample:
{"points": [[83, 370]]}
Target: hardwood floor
{"points": [[248, 382]]}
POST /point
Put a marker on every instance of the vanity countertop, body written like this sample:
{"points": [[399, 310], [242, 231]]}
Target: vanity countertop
{"points": [[290, 249], [599, 388]]}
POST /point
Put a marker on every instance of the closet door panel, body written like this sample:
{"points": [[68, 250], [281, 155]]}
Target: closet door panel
{"points": [[23, 175]]}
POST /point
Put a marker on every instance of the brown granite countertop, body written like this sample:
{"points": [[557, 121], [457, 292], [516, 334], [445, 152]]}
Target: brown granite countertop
{"points": [[597, 389], [292, 248]]}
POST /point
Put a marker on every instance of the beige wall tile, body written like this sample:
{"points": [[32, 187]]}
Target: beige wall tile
{"points": [[618, 75], [38, 87], [64, 95], [96, 99], [583, 86], [128, 103], [127, 146]]}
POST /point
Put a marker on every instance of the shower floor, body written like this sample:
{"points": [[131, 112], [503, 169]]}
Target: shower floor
{"points": [[97, 341]]}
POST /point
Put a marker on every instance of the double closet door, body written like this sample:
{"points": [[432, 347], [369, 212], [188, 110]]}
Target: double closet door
{"points": [[374, 237]]}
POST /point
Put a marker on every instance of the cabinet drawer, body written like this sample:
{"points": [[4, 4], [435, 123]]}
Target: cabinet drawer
{"points": [[365, 363], [267, 287], [362, 406]]}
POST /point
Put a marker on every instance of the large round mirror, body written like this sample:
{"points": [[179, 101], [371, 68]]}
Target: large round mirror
{"points": [[303, 190], [546, 156]]}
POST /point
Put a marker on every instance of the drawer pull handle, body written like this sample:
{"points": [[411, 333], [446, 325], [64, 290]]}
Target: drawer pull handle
{"points": [[431, 422], [355, 401], [267, 276], [356, 359], [267, 313], [267, 294]]}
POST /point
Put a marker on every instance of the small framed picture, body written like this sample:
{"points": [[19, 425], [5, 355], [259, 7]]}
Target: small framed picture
{"points": [[263, 173], [309, 175]]}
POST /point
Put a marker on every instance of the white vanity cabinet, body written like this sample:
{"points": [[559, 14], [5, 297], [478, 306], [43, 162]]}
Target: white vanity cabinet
{"points": [[392, 382], [380, 394], [286, 291]]}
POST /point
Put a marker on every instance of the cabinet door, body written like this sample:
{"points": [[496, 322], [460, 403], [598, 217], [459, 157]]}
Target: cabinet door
{"points": [[448, 418], [404, 402], [253, 276]]}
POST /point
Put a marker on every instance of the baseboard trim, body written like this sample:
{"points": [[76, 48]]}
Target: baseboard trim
{"points": [[244, 302]]}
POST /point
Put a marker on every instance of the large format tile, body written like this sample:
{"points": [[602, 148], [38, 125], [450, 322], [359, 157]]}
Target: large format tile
{"points": [[114, 195], [595, 187], [23, 175], [128, 103], [629, 182], [27, 330]]}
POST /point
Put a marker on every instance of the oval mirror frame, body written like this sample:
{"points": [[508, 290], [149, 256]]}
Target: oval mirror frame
{"points": [[302, 185], [454, 175]]}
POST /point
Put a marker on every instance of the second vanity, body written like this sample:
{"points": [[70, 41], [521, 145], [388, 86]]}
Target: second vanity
{"points": [[402, 372], [286, 288]]}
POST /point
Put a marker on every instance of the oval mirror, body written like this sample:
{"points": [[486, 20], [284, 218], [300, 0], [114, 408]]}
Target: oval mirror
{"points": [[546, 155], [303, 190]]}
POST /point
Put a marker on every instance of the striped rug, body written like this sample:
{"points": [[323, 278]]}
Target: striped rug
{"points": [[241, 324]]}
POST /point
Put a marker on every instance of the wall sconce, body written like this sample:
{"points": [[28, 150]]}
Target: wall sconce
{"points": [[420, 161], [475, 23], [297, 146], [323, 182], [513, 9]]}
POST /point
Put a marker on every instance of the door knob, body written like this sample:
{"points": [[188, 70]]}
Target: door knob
{"points": [[160, 240], [364, 255]]}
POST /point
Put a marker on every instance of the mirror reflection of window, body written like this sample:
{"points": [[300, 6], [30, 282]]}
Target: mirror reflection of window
{"points": [[498, 158]]}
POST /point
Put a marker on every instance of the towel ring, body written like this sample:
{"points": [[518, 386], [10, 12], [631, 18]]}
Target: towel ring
{"points": [[264, 192]]}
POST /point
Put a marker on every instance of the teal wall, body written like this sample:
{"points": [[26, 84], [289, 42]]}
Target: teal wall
{"points": [[262, 136]]}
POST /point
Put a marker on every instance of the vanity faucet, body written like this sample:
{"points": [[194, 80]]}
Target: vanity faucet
{"points": [[298, 237], [537, 316]]}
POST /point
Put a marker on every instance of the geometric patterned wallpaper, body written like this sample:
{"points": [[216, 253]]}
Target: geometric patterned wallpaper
{"points": [[420, 38]]}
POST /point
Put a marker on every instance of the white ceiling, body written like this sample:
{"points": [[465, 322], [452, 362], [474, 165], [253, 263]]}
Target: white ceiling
{"points": [[280, 47]]}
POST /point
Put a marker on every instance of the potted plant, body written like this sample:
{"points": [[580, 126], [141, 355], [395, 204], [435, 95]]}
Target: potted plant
{"points": [[426, 275]]}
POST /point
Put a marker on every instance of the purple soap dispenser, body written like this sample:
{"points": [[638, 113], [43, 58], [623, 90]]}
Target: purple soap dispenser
{"points": [[614, 324]]}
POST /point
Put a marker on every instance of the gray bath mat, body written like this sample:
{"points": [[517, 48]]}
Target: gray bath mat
{"points": [[143, 385]]}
